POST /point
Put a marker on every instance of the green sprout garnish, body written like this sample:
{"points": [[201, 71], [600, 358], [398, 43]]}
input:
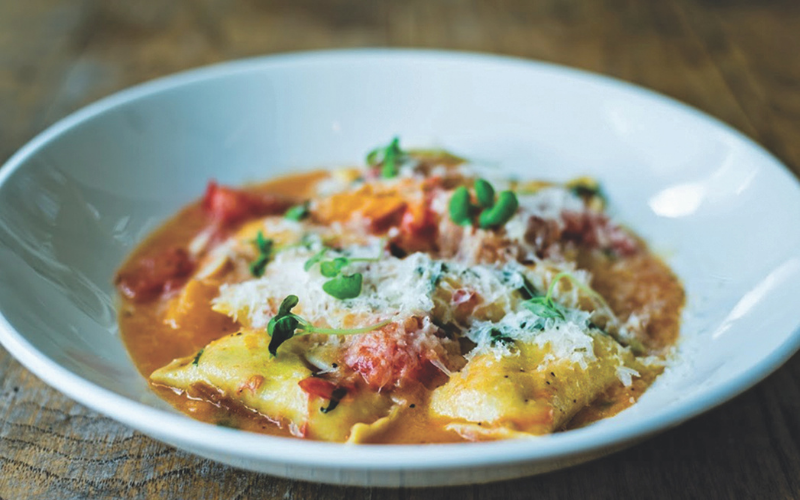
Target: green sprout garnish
{"points": [[388, 157], [264, 247], [342, 286], [346, 286], [484, 192], [493, 214], [501, 212], [498, 337], [298, 212], [286, 325], [314, 259], [460, 207], [546, 307], [197, 357]]}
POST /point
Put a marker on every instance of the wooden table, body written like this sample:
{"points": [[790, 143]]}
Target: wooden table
{"points": [[735, 59]]}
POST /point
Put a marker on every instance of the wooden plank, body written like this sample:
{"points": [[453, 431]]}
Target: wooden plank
{"points": [[735, 60], [756, 47]]}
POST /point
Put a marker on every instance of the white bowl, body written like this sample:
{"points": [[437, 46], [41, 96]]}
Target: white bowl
{"points": [[78, 198]]}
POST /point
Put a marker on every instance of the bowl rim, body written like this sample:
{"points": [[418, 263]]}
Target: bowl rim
{"points": [[178, 428]]}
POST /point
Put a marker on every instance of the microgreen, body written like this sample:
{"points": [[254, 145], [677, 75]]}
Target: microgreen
{"points": [[298, 212], [197, 357], [342, 286], [545, 306], [493, 214], [285, 325], [501, 212], [264, 247], [484, 192], [331, 268], [498, 337], [346, 286], [314, 259], [336, 396], [388, 157], [460, 207], [587, 188]]}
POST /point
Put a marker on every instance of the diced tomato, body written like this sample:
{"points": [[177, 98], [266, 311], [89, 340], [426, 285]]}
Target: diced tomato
{"points": [[418, 228], [389, 216], [396, 354], [227, 206], [156, 274], [315, 386]]}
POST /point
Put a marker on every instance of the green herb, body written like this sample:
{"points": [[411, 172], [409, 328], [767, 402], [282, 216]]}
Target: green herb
{"points": [[499, 337], [546, 307], [197, 358], [588, 188], [264, 247], [331, 268], [501, 212], [298, 212], [346, 286], [342, 286], [314, 259], [285, 325], [438, 270], [336, 396], [493, 215], [460, 207], [484, 192], [389, 157]]}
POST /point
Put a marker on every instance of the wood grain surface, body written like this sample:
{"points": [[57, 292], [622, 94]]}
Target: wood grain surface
{"points": [[738, 60]]}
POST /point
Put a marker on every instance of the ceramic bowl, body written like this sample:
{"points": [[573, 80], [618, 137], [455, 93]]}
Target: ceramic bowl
{"points": [[81, 195]]}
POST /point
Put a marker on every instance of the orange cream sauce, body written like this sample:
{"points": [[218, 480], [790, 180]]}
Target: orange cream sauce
{"points": [[153, 342]]}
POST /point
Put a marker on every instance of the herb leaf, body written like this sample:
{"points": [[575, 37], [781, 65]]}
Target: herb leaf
{"points": [[331, 268], [498, 336], [501, 212], [285, 325], [544, 308], [338, 394], [264, 247], [298, 212], [197, 358], [344, 287], [484, 192], [389, 157], [314, 259], [460, 208], [586, 187]]}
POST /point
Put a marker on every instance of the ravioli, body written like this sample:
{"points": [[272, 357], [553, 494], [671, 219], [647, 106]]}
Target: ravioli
{"points": [[419, 298], [529, 391], [240, 368]]}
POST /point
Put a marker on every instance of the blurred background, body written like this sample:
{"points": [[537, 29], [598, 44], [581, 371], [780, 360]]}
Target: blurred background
{"points": [[735, 59], [738, 60]]}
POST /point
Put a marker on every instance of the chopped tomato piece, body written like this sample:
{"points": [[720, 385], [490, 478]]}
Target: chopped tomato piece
{"points": [[155, 274], [418, 228], [228, 206], [396, 354], [319, 387]]}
